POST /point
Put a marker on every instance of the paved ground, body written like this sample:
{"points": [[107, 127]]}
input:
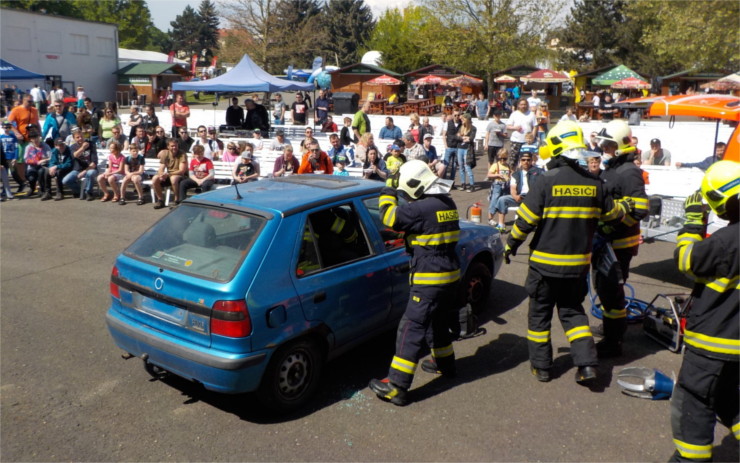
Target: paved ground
{"points": [[66, 394]]}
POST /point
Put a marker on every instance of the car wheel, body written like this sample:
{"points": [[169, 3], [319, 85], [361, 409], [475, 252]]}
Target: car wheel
{"points": [[292, 376], [477, 286]]}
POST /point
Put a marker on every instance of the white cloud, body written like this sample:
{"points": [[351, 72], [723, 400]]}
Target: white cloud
{"points": [[379, 6]]}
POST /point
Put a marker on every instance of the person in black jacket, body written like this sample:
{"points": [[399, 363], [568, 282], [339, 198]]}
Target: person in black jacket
{"points": [[256, 117], [235, 114], [707, 385], [563, 208]]}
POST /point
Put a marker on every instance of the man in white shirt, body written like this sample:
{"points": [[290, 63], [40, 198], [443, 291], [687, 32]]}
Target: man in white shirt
{"points": [[210, 147], [37, 96], [521, 122], [534, 101]]}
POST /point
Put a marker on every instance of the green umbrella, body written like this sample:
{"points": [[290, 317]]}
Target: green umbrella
{"points": [[615, 75]]}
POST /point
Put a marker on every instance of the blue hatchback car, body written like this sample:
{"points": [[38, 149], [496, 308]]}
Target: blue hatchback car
{"points": [[255, 289]]}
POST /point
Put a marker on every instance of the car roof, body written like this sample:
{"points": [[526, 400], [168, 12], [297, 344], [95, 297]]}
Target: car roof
{"points": [[288, 195]]}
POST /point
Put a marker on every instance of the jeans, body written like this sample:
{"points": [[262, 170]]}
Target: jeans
{"points": [[497, 189], [450, 153], [38, 174], [465, 169], [277, 121], [71, 181], [188, 183], [504, 203]]}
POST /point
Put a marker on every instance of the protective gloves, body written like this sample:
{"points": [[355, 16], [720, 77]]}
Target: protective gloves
{"points": [[696, 212], [510, 249], [627, 205]]}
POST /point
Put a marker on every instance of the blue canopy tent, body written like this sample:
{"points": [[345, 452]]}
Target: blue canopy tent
{"points": [[12, 72], [245, 77]]}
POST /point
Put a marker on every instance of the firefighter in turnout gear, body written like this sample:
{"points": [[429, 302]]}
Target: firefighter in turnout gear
{"points": [[430, 223], [708, 381], [622, 180], [563, 209]]}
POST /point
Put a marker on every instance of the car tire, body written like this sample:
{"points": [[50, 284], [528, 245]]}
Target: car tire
{"points": [[477, 286], [292, 376]]}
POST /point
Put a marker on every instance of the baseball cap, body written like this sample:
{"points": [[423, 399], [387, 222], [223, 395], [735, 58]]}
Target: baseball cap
{"points": [[429, 135], [394, 148], [655, 141], [211, 129], [247, 155], [279, 132], [525, 154]]}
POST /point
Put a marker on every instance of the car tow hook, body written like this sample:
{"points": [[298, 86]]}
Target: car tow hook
{"points": [[127, 356]]}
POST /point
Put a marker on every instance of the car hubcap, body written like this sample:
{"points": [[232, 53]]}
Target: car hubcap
{"points": [[294, 374], [475, 289]]}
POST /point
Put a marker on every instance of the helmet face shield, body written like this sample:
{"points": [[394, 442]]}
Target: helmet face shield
{"points": [[720, 183], [565, 137], [619, 133], [415, 178]]}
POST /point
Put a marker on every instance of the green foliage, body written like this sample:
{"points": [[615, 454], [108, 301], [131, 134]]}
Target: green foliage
{"points": [[53, 7], [185, 32], [208, 34], [301, 34], [399, 36], [349, 23]]}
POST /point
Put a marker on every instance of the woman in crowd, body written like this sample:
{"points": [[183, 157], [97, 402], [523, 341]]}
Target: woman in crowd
{"points": [[149, 118], [107, 122], [114, 174], [366, 142], [465, 138], [373, 167], [415, 127], [543, 121], [231, 154], [286, 164], [36, 158], [134, 121]]}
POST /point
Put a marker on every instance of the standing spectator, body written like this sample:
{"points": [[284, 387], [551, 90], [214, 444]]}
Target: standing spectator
{"points": [[60, 165], [657, 156], [390, 131], [299, 110], [133, 95], [286, 164], [247, 170], [315, 161], [202, 174], [25, 120], [81, 95], [95, 116], [184, 140], [346, 135], [415, 127], [180, 111], [328, 126], [498, 173], [278, 110], [37, 97], [596, 100], [9, 146], [109, 120], [134, 173], [37, 158], [169, 97], [449, 133], [495, 135], [543, 122], [54, 96], [173, 165], [9, 96], [607, 109], [256, 118], [534, 101], [134, 120], [235, 114], [113, 174], [322, 108], [84, 166], [481, 107], [361, 122], [58, 124], [426, 128], [719, 154], [466, 153], [149, 119], [521, 122]]}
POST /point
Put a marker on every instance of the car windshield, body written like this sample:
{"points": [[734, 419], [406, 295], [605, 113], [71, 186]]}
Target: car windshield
{"points": [[199, 241]]}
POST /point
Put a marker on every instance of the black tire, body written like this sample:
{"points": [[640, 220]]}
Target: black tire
{"points": [[477, 286], [292, 376]]}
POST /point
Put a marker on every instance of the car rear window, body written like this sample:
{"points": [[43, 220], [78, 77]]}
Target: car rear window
{"points": [[199, 241]]}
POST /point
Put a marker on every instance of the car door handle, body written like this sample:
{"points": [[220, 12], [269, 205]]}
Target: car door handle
{"points": [[319, 297], [403, 268]]}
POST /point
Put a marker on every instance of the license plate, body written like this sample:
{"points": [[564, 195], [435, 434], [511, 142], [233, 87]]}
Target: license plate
{"points": [[159, 309]]}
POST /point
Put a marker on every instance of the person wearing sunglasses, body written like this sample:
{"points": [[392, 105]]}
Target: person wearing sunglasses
{"points": [[184, 139], [306, 142], [58, 124], [315, 161]]}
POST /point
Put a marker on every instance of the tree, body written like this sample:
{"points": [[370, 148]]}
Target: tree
{"points": [[208, 34], [301, 35], [52, 7], [398, 36], [186, 33], [349, 23], [252, 25]]}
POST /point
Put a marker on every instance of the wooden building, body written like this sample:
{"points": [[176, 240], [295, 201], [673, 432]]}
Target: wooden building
{"points": [[149, 79], [681, 82], [352, 79]]}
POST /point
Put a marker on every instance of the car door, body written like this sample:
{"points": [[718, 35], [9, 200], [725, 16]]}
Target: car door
{"points": [[341, 281]]}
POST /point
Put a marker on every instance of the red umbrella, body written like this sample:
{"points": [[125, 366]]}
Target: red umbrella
{"points": [[427, 80], [631, 82], [545, 76], [383, 80], [505, 79], [463, 81]]}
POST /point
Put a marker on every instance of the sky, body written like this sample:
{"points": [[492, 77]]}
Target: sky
{"points": [[164, 11]]}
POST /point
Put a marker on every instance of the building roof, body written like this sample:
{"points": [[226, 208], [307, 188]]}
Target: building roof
{"points": [[369, 70], [434, 69], [516, 71], [143, 56], [151, 69], [693, 74]]}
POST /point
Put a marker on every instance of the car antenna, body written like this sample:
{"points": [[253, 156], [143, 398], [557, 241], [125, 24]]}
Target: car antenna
{"points": [[238, 196]]}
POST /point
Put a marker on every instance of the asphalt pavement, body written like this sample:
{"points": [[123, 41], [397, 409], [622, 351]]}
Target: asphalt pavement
{"points": [[67, 395]]}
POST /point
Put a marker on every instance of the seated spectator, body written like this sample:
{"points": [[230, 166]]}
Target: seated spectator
{"points": [[173, 165], [202, 174], [719, 154], [426, 128], [232, 152], [155, 143], [638, 151], [184, 139], [247, 170], [36, 158], [519, 185], [213, 135], [113, 174], [570, 114], [430, 152], [329, 126], [529, 146], [412, 149], [339, 152], [58, 124], [118, 137], [645, 174], [390, 131], [134, 173], [210, 146], [315, 161], [340, 169], [280, 142], [366, 141], [286, 164], [84, 167], [60, 165], [374, 167], [498, 173], [657, 156], [306, 142], [257, 140]]}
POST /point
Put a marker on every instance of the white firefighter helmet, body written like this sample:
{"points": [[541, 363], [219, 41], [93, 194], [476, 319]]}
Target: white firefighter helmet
{"points": [[416, 179], [619, 132]]}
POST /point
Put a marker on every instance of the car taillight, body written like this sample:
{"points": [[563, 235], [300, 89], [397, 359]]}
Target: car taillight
{"points": [[231, 318], [114, 291]]}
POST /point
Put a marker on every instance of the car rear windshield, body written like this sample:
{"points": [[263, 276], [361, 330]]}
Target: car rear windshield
{"points": [[200, 241]]}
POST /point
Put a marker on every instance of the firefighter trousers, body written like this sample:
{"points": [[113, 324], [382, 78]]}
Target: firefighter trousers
{"points": [[611, 295], [567, 294], [425, 325], [706, 388]]}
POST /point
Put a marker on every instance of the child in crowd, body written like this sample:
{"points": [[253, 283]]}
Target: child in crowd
{"points": [[134, 172], [10, 146], [36, 158], [499, 174], [345, 136], [339, 169], [114, 174]]}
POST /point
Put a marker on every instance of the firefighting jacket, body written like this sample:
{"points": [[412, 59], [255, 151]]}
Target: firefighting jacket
{"points": [[712, 326], [564, 208], [432, 230], [623, 179]]}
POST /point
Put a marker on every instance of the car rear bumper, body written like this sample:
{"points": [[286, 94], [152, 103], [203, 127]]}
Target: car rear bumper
{"points": [[218, 371]]}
